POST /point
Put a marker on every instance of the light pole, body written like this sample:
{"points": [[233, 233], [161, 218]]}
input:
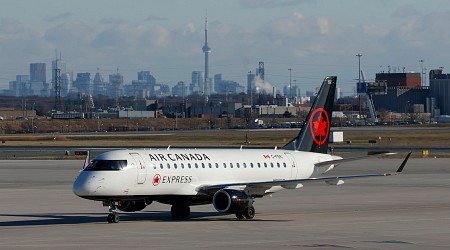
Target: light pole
{"points": [[359, 67], [290, 85], [359, 81]]}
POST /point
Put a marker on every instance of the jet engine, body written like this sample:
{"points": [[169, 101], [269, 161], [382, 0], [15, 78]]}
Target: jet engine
{"points": [[231, 201], [132, 206]]}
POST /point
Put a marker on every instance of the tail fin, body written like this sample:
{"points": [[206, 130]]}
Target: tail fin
{"points": [[87, 160], [313, 136]]}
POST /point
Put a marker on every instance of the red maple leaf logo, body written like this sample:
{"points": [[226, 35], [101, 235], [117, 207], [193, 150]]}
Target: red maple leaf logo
{"points": [[156, 179], [320, 126]]}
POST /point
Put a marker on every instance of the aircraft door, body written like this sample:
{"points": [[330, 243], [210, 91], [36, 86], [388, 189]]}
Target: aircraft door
{"points": [[141, 168], [291, 165]]}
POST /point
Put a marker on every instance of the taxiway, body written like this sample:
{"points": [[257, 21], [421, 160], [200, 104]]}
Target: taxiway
{"points": [[409, 211]]}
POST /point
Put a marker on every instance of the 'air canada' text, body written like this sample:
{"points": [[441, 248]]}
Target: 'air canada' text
{"points": [[179, 157]]}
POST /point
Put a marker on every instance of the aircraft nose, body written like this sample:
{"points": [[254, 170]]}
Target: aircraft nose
{"points": [[82, 186]]}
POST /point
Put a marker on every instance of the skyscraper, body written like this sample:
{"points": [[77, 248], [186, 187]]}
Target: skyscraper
{"points": [[100, 87], [66, 83], [146, 76], [197, 82], [37, 72], [84, 83], [116, 81], [38, 80]]}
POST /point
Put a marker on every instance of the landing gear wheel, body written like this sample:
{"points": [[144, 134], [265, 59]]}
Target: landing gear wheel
{"points": [[239, 215], [185, 212], [113, 217], [109, 218], [180, 211], [249, 212]]}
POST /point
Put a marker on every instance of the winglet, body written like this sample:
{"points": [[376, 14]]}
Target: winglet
{"points": [[400, 169]]}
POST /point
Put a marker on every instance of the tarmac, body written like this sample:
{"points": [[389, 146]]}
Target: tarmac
{"points": [[410, 211]]}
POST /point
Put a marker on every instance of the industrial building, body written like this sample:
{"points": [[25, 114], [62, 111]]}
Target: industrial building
{"points": [[403, 94], [410, 80], [440, 90], [402, 99]]}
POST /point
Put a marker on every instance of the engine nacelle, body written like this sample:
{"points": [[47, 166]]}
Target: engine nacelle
{"points": [[132, 206], [231, 201]]}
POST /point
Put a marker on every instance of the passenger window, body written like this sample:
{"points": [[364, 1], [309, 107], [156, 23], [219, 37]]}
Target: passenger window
{"points": [[168, 166], [237, 165], [259, 165], [224, 165], [245, 165], [161, 166], [203, 165], [210, 165], [217, 165], [251, 164], [196, 165], [175, 165], [231, 165], [278, 164], [265, 165], [182, 165], [271, 164], [189, 165], [284, 164]]}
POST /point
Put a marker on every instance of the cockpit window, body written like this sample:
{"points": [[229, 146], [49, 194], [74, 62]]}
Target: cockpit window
{"points": [[106, 165]]}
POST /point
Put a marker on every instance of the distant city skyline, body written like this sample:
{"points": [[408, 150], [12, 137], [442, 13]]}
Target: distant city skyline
{"points": [[313, 38]]}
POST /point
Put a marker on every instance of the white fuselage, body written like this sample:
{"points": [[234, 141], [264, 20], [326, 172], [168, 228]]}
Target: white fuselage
{"points": [[161, 172]]}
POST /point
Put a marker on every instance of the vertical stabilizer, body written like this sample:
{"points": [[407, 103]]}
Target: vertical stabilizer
{"points": [[313, 136]]}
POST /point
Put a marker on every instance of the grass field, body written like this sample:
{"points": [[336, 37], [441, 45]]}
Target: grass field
{"points": [[407, 138]]}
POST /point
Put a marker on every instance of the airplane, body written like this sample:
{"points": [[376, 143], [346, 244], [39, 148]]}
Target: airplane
{"points": [[230, 179]]}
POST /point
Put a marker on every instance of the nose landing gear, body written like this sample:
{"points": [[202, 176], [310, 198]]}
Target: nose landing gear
{"points": [[113, 216]]}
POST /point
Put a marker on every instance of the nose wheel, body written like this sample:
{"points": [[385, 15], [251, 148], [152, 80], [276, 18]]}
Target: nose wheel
{"points": [[113, 216]]}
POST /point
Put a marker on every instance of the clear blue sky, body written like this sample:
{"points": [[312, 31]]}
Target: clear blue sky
{"points": [[314, 38]]}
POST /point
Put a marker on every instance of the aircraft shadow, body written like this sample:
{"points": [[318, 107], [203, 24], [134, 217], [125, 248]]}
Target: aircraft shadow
{"points": [[87, 218]]}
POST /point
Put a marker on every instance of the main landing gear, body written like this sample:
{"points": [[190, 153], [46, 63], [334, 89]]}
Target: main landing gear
{"points": [[180, 211], [247, 213], [113, 216]]}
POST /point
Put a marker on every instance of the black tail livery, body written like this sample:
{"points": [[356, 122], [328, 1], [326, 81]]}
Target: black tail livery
{"points": [[313, 136]]}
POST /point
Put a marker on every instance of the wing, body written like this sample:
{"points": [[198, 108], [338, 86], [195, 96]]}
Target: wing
{"points": [[356, 158], [332, 180]]}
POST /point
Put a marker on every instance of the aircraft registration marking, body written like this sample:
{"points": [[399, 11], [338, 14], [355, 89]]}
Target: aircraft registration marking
{"points": [[273, 156]]}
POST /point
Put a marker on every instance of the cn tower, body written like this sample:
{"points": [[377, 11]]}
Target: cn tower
{"points": [[206, 50]]}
